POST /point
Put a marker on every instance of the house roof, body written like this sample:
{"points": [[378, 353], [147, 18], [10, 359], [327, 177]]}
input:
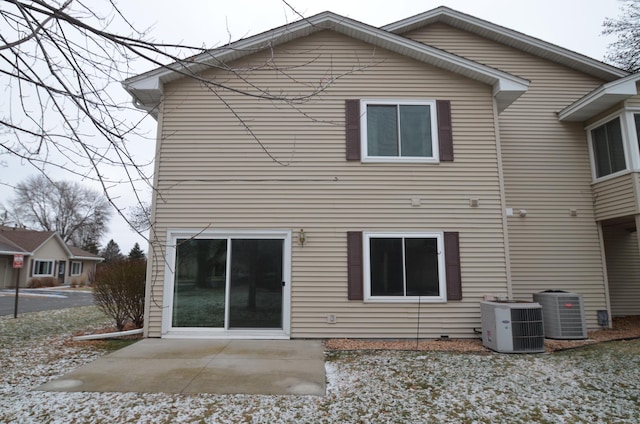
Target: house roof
{"points": [[146, 89], [19, 240], [508, 37], [28, 240], [620, 84], [78, 253], [7, 247], [601, 99]]}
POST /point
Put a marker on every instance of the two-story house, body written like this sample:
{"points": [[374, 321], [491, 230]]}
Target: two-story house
{"points": [[328, 178]]}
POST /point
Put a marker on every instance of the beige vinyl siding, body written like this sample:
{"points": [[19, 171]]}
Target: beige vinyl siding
{"points": [[212, 174], [51, 249], [623, 268], [546, 172], [634, 101], [615, 197]]}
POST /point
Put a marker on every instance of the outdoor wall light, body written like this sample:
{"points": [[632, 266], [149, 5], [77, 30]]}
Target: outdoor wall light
{"points": [[302, 237], [523, 213]]}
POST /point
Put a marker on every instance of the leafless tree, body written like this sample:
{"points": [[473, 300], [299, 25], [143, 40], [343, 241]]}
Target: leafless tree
{"points": [[140, 217], [78, 214], [625, 51], [60, 65]]}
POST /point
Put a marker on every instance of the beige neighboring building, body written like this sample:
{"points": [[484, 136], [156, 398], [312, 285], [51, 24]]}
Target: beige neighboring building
{"points": [[45, 255], [328, 178]]}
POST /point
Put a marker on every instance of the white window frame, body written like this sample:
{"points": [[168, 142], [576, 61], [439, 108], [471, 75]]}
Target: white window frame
{"points": [[634, 143], [52, 267], [364, 147], [173, 235], [79, 264], [627, 129], [366, 256]]}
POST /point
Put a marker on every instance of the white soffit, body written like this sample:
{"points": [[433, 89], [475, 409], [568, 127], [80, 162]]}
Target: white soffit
{"points": [[601, 99], [146, 89]]}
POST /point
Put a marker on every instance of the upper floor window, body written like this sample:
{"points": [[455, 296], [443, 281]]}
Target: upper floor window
{"points": [[403, 131], [608, 148]]}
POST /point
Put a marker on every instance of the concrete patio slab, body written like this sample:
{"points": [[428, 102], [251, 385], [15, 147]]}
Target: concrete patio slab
{"points": [[268, 367]]}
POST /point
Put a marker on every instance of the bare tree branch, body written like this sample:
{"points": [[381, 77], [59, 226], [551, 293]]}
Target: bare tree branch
{"points": [[78, 214], [625, 51], [61, 65]]}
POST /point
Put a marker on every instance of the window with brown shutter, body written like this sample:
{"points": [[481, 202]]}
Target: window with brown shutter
{"points": [[452, 263], [445, 138], [352, 119], [401, 267], [354, 265], [387, 130]]}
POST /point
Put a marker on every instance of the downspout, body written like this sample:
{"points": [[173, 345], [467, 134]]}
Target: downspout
{"points": [[149, 284], [503, 204], [109, 335], [605, 271]]}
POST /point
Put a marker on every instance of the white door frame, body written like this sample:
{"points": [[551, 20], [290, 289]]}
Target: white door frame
{"points": [[4, 271], [198, 332]]}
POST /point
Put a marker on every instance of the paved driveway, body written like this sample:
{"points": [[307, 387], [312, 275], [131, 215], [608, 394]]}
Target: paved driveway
{"points": [[34, 300]]}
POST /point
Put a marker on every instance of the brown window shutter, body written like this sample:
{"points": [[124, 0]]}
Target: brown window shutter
{"points": [[452, 264], [354, 265], [445, 138], [352, 123]]}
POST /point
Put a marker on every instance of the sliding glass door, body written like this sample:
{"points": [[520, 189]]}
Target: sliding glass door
{"points": [[255, 290], [228, 283]]}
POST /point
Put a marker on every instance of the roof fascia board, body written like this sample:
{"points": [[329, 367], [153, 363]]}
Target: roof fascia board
{"points": [[601, 99], [86, 258], [11, 252], [519, 40], [152, 80], [340, 24]]}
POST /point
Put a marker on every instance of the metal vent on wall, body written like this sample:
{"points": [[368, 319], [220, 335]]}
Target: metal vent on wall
{"points": [[563, 314], [512, 327]]}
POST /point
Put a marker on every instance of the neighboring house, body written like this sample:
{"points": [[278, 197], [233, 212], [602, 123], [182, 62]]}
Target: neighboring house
{"points": [[45, 256], [421, 166]]}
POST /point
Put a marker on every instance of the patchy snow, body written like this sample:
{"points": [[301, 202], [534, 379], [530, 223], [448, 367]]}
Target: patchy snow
{"points": [[595, 384]]}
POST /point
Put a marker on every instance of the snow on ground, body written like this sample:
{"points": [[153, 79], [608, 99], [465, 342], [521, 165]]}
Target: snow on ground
{"points": [[596, 384]]}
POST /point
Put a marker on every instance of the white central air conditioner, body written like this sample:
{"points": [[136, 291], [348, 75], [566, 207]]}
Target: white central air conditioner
{"points": [[512, 327], [563, 314]]}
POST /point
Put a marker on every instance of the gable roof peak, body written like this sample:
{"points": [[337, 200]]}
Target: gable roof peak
{"points": [[147, 89], [508, 37]]}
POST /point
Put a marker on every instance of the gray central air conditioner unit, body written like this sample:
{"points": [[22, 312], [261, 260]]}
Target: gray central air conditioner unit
{"points": [[512, 327], [563, 314]]}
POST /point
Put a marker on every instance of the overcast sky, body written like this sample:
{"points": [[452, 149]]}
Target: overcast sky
{"points": [[572, 24]]}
